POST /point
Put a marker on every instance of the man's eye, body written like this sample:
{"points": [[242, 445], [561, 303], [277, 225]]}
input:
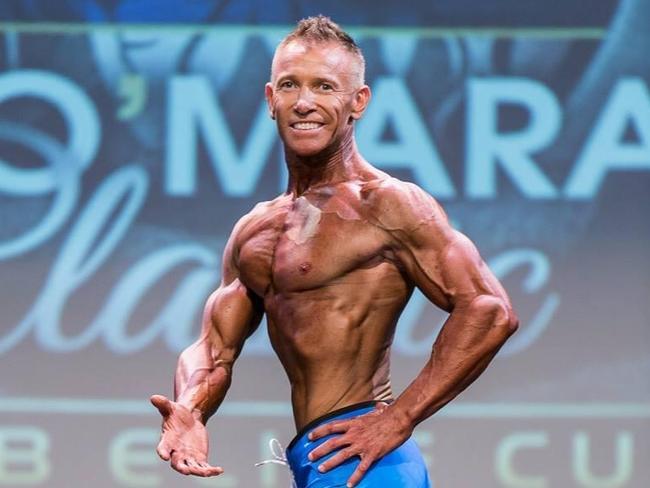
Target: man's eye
{"points": [[326, 87], [286, 84]]}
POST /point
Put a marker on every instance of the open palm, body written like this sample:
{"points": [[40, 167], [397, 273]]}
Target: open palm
{"points": [[184, 439]]}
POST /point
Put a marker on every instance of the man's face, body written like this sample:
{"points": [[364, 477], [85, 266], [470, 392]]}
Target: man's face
{"points": [[314, 95]]}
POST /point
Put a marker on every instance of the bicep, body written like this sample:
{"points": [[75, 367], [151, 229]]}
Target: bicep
{"points": [[232, 312]]}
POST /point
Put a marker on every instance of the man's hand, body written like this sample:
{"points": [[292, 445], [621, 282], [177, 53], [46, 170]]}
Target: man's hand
{"points": [[184, 439], [370, 437]]}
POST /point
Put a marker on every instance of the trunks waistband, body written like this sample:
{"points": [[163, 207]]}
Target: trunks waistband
{"points": [[330, 415]]}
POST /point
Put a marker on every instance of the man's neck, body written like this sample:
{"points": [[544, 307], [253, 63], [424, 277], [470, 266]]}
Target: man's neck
{"points": [[328, 168]]}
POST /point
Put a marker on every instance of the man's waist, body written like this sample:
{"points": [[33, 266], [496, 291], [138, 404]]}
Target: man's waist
{"points": [[337, 413]]}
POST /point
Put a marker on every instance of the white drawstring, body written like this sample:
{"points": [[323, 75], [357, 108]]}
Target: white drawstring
{"points": [[279, 457]]}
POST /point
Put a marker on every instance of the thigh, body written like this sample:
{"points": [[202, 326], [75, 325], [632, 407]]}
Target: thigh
{"points": [[402, 468]]}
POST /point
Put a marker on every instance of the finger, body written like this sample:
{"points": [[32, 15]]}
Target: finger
{"points": [[162, 403], [178, 463], [327, 447], [211, 470], [327, 429], [335, 460], [195, 468], [163, 451], [359, 473], [205, 470], [182, 468], [214, 470]]}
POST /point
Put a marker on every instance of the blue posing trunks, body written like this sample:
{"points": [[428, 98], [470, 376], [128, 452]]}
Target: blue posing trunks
{"points": [[403, 467]]}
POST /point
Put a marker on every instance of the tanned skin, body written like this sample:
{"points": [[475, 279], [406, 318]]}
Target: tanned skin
{"points": [[332, 263]]}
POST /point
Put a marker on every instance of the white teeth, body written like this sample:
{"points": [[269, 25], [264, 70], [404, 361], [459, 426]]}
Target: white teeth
{"points": [[306, 125]]}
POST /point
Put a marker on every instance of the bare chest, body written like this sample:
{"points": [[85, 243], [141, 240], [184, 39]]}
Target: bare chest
{"points": [[306, 247]]}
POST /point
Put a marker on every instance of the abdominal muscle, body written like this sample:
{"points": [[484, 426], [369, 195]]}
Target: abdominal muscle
{"points": [[334, 342]]}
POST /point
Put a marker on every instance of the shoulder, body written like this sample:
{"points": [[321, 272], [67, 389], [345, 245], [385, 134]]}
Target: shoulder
{"points": [[248, 224], [395, 205], [259, 214], [244, 228]]}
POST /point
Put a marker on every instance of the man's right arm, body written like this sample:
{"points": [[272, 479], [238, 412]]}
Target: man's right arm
{"points": [[231, 314], [203, 375]]}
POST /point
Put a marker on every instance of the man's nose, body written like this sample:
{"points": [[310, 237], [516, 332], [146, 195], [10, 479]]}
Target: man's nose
{"points": [[305, 101]]}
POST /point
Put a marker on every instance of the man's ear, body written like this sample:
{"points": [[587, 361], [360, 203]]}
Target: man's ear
{"points": [[268, 94], [360, 102]]}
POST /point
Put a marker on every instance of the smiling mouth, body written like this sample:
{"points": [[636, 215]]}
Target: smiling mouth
{"points": [[306, 125]]}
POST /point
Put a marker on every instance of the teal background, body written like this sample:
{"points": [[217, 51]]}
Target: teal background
{"points": [[133, 135]]}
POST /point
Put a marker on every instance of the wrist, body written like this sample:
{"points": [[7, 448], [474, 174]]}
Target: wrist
{"points": [[192, 409], [402, 418]]}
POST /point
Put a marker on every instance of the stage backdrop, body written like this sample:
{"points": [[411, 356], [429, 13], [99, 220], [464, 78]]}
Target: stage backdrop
{"points": [[134, 134]]}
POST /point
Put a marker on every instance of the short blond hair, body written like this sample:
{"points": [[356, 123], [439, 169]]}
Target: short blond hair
{"points": [[322, 29]]}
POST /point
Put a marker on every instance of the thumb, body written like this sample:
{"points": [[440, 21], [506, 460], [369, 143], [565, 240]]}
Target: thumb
{"points": [[163, 404], [163, 451]]}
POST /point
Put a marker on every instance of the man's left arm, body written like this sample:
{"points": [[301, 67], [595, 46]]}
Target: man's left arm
{"points": [[445, 265]]}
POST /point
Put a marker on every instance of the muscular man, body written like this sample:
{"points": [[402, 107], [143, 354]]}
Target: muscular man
{"points": [[332, 262]]}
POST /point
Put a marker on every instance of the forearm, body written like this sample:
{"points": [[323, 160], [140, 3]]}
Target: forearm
{"points": [[204, 370], [468, 341], [202, 378]]}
